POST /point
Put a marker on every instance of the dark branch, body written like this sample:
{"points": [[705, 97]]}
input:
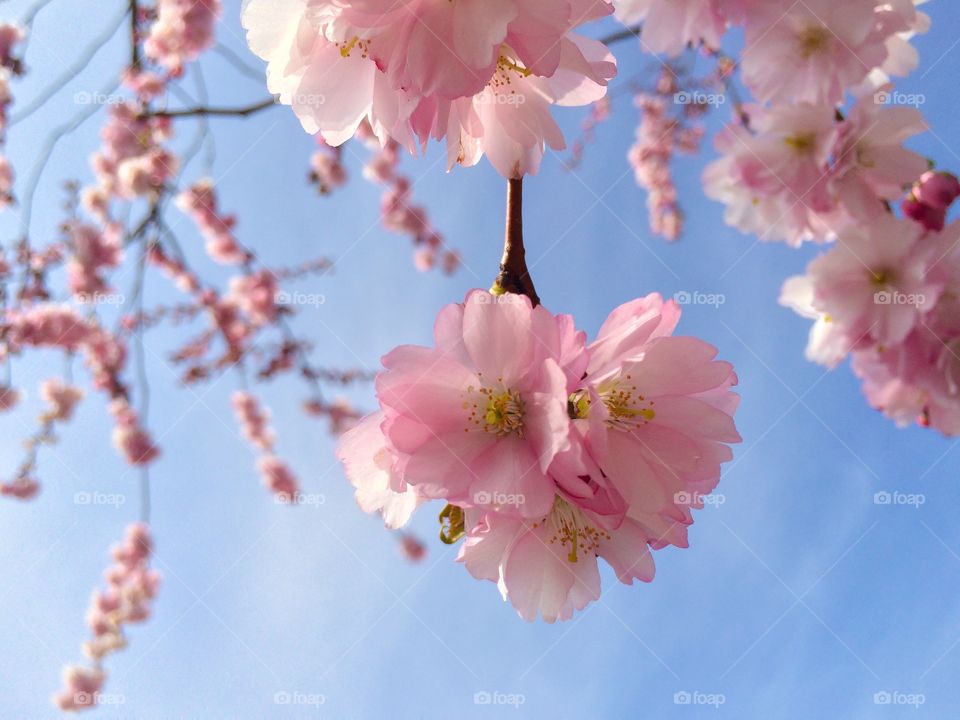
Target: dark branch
{"points": [[134, 35], [214, 111], [626, 34], [514, 276]]}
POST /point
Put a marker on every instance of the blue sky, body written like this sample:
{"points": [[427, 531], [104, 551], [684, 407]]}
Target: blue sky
{"points": [[799, 596]]}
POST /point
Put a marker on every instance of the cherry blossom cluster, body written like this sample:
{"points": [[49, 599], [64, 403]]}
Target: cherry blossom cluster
{"points": [[48, 325], [399, 214], [132, 161], [660, 134], [10, 66], [886, 294], [200, 202], [482, 77], [92, 251], [821, 157], [254, 424], [131, 588], [183, 29], [549, 452], [61, 399]]}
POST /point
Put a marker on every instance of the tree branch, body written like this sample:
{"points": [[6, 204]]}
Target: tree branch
{"points": [[514, 276], [134, 35], [203, 111], [626, 34]]}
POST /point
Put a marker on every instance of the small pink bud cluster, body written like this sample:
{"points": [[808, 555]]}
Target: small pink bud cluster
{"points": [[931, 197], [397, 211], [254, 424], [131, 588], [200, 203]]}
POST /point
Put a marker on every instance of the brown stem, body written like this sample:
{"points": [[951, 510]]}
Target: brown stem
{"points": [[514, 276]]}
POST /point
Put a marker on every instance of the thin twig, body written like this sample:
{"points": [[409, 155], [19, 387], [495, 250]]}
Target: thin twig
{"points": [[626, 34], [134, 36], [203, 111], [70, 73]]}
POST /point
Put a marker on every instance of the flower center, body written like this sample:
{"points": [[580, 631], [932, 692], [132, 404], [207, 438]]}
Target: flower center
{"points": [[355, 42], [507, 71], [572, 530], [497, 410], [881, 278], [813, 40], [628, 409], [802, 144]]}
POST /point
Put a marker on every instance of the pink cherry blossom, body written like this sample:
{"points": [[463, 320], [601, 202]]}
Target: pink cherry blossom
{"points": [[774, 178], [129, 437], [200, 203], [278, 478], [810, 51], [182, 31], [571, 453], [371, 469], [874, 282], [479, 417], [872, 164], [256, 295], [669, 26], [9, 398], [61, 398], [131, 588], [931, 197], [496, 101], [93, 250], [254, 421]]}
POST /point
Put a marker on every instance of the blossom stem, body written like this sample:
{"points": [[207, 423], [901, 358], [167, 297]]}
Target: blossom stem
{"points": [[514, 276]]}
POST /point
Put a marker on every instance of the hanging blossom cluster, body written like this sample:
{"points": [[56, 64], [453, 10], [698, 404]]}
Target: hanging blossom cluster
{"points": [[61, 400], [483, 77], [254, 423], [660, 135], [131, 587], [10, 66], [182, 30], [820, 157], [549, 451], [398, 212], [80, 297]]}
